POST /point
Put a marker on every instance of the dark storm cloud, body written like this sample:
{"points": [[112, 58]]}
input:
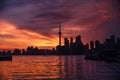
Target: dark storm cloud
{"points": [[44, 15], [2, 4], [55, 16]]}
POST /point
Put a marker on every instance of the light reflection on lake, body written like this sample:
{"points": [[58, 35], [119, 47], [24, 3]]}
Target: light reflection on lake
{"points": [[58, 68]]}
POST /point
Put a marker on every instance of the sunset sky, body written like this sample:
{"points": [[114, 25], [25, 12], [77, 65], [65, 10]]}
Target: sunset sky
{"points": [[35, 22]]}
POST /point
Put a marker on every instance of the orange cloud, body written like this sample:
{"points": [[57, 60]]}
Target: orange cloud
{"points": [[12, 37]]}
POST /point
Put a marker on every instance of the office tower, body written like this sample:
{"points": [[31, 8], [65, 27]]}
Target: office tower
{"points": [[71, 45], [112, 44], [71, 40], [97, 45], [78, 39], [91, 45], [66, 45], [118, 44], [66, 42]]}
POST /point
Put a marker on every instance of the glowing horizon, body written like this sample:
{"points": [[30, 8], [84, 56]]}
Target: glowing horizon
{"points": [[16, 38]]}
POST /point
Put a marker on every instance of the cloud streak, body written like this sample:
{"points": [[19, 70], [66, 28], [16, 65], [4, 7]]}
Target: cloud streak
{"points": [[11, 36]]}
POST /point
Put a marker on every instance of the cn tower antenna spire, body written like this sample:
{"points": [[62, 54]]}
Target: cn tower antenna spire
{"points": [[59, 34]]}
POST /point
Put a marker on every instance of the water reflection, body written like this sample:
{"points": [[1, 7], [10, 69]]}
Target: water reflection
{"points": [[29, 67], [58, 68]]}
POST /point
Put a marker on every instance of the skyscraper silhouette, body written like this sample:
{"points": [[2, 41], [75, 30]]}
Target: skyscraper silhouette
{"points": [[91, 45], [66, 45], [60, 34], [59, 48]]}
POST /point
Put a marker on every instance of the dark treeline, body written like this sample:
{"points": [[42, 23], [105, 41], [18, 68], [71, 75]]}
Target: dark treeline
{"points": [[30, 51]]}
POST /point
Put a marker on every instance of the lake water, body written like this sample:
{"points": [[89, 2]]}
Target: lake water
{"points": [[57, 68]]}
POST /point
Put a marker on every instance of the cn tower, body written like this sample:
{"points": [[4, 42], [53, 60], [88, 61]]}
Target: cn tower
{"points": [[59, 33]]}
